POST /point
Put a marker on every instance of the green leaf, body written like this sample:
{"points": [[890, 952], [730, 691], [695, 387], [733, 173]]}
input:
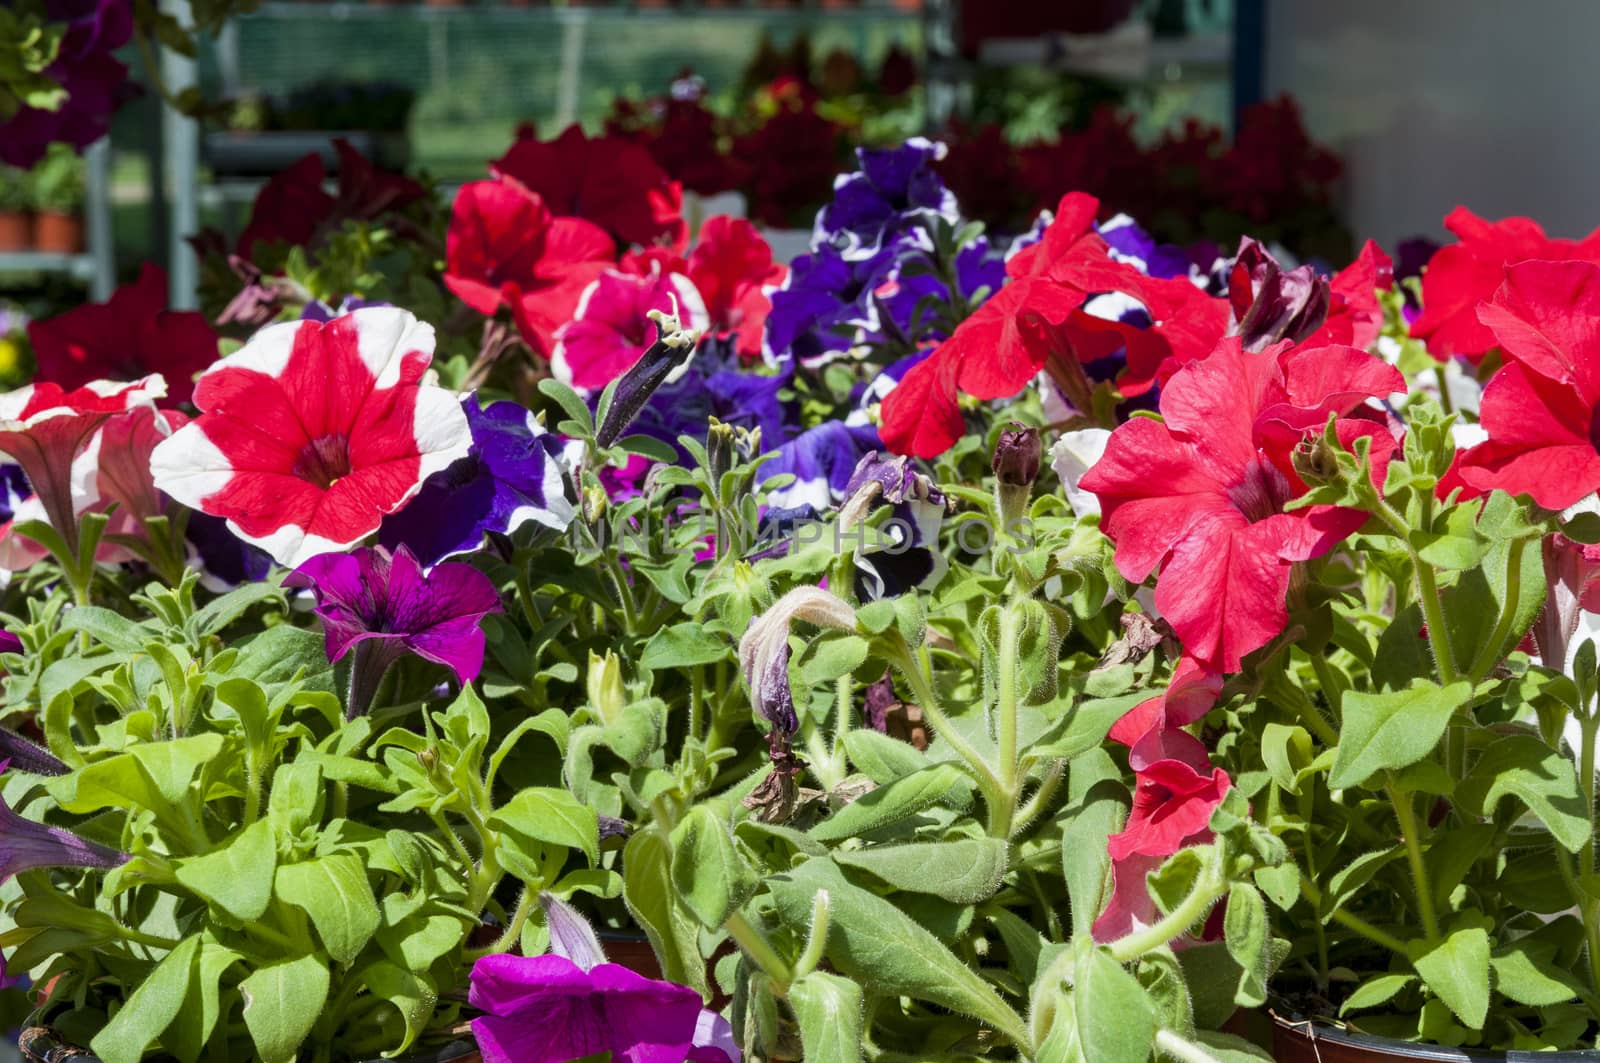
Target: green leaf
{"points": [[1244, 929], [547, 814], [238, 876], [1457, 971], [190, 1032], [683, 646], [881, 758], [150, 775], [412, 996], [569, 401], [416, 941], [873, 942], [1115, 1019], [333, 890], [281, 652], [1385, 731], [941, 784], [281, 1004], [711, 879], [962, 871], [829, 1011], [1097, 802], [649, 447], [106, 627], [1522, 766], [1228, 1048], [826, 659], [150, 1008], [1348, 880], [647, 891], [296, 789], [1375, 992], [1281, 884], [1527, 979], [1285, 751], [231, 606]]}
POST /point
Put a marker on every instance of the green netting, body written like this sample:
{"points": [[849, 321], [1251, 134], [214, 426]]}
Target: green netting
{"points": [[480, 70]]}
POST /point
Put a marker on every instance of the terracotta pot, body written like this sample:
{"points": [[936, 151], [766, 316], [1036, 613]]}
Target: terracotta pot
{"points": [[61, 233], [16, 230], [1311, 1042]]}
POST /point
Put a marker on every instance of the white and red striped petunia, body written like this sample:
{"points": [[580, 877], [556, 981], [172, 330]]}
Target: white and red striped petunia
{"points": [[313, 432]]}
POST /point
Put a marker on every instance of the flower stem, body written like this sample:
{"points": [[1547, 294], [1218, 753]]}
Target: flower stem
{"points": [[1489, 653], [1002, 811], [1350, 920], [759, 949], [1419, 868], [1427, 592], [906, 661], [1182, 1049], [1207, 891]]}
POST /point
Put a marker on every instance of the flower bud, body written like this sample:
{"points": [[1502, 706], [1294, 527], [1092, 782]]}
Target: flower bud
{"points": [[571, 936], [721, 449], [606, 694], [1017, 454], [1315, 461]]}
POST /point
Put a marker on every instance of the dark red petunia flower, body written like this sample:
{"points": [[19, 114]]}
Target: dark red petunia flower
{"points": [[505, 247], [1539, 410], [1200, 495], [1464, 274], [294, 208], [606, 180], [127, 337]]}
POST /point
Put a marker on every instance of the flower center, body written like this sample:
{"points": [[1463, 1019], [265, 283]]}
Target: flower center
{"points": [[1262, 491], [324, 460]]}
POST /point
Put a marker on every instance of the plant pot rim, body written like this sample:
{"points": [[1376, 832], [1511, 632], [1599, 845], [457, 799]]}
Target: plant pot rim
{"points": [[1316, 1032]]}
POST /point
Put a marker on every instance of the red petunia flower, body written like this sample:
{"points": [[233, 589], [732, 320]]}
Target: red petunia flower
{"points": [[1201, 494], [294, 208], [127, 337], [1539, 410], [43, 427], [505, 247], [732, 268], [1176, 791], [606, 180], [1190, 694], [611, 329], [1465, 274], [997, 351], [312, 433], [1354, 316]]}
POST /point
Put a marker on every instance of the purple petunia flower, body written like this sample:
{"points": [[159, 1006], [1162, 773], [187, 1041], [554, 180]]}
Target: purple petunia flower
{"points": [[382, 606], [821, 460], [911, 557], [317, 310], [890, 192], [514, 475], [572, 1003], [825, 306], [1131, 244], [25, 845]]}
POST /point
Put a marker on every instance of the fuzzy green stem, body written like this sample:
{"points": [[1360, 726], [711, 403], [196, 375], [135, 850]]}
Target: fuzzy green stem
{"points": [[1410, 827], [921, 689], [1002, 811], [1427, 592], [759, 949], [1352, 921], [1207, 891], [1173, 1044]]}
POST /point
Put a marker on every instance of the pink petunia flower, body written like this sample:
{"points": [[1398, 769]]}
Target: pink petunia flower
{"points": [[1200, 495], [312, 433], [611, 328]]}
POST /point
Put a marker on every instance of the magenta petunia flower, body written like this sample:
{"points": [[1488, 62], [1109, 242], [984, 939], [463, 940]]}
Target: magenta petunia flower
{"points": [[312, 433], [25, 845], [385, 606], [612, 327], [43, 428]]}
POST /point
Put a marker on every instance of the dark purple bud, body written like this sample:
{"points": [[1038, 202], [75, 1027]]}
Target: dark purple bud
{"points": [[1270, 304], [1017, 454], [28, 757], [668, 355], [879, 700]]}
